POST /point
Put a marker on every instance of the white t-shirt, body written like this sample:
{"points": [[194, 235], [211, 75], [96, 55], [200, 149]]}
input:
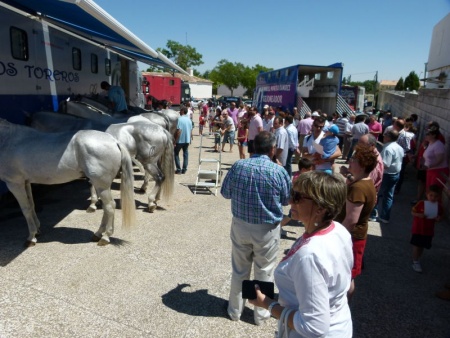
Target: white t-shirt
{"points": [[314, 278], [282, 143]]}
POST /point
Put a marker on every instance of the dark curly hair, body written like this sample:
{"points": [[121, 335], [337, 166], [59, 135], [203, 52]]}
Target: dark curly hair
{"points": [[366, 157]]}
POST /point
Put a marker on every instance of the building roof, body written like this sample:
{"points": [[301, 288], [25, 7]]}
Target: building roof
{"points": [[183, 77], [388, 83]]}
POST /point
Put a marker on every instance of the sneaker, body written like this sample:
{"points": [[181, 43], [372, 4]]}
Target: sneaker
{"points": [[416, 267], [183, 171], [382, 220], [178, 172]]}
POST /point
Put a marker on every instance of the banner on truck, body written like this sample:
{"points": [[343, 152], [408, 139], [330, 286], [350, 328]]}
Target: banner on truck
{"points": [[277, 89]]}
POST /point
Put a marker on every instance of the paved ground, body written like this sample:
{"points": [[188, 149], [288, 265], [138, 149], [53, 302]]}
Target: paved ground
{"points": [[169, 276]]}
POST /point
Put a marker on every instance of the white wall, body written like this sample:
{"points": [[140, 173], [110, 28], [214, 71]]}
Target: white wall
{"points": [[224, 91], [439, 55], [201, 90]]}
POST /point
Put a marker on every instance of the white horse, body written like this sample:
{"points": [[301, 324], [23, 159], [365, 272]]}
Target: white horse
{"points": [[152, 146], [30, 156]]}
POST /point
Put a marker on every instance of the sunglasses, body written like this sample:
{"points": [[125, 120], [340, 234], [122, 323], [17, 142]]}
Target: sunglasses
{"points": [[296, 197]]}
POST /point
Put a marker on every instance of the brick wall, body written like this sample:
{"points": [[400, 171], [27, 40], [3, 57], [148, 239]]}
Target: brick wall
{"points": [[429, 105]]}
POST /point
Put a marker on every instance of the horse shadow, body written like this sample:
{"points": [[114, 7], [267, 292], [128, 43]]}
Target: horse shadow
{"points": [[53, 203], [200, 303]]}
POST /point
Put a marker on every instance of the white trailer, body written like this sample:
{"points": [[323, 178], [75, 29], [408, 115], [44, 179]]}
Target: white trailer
{"points": [[53, 49]]}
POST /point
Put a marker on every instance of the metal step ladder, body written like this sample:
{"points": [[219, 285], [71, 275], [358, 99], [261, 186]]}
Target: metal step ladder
{"points": [[209, 169]]}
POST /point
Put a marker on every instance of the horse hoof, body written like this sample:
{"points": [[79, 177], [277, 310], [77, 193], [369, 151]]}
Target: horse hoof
{"points": [[102, 242], [29, 244], [95, 238], [91, 209]]}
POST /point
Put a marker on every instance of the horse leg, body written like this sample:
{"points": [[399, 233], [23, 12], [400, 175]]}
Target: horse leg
{"points": [[144, 186], [153, 170], [106, 228], [94, 199], [20, 192], [31, 202]]}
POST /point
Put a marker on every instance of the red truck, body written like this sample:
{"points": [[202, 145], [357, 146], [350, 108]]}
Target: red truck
{"points": [[163, 87]]}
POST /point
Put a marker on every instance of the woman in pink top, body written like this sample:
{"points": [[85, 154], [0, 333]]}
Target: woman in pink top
{"points": [[435, 158]]}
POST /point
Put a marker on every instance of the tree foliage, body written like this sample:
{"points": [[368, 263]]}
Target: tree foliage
{"points": [[184, 56], [249, 75], [228, 74], [400, 85], [369, 85], [412, 81]]}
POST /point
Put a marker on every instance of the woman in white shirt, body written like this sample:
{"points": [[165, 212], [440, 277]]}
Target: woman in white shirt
{"points": [[315, 275]]}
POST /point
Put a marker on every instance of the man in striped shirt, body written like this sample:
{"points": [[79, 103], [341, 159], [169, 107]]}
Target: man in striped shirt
{"points": [[258, 189]]}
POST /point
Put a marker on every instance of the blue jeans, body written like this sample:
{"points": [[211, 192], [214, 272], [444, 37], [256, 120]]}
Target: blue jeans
{"points": [[178, 147], [386, 194], [288, 166]]}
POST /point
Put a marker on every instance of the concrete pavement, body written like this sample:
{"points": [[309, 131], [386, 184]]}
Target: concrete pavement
{"points": [[170, 275]]}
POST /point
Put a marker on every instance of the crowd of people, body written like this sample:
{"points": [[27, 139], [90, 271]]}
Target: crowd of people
{"points": [[316, 278]]}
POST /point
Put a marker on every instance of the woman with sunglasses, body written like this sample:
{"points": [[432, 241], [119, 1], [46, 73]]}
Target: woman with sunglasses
{"points": [[314, 277]]}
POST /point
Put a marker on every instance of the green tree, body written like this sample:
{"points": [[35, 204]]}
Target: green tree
{"points": [[400, 85], [184, 56], [228, 74], [412, 81], [249, 75]]}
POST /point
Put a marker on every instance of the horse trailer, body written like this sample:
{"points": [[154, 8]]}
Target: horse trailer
{"points": [[57, 49]]}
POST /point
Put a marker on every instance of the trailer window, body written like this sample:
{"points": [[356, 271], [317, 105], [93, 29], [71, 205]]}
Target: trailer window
{"points": [[288, 72], [330, 75], [94, 63], [107, 67], [171, 82], [19, 43], [76, 58], [317, 76]]}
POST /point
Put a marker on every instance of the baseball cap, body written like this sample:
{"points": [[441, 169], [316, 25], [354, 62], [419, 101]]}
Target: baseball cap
{"points": [[332, 129], [266, 106], [315, 114]]}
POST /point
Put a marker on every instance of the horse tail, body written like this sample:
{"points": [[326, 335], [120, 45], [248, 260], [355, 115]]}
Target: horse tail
{"points": [[127, 189], [168, 167]]}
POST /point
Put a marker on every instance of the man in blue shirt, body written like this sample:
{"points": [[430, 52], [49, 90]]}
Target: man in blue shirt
{"points": [[116, 96], [258, 188], [182, 140]]}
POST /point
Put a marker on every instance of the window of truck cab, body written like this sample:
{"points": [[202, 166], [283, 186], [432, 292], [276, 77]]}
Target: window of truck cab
{"points": [[76, 58], [19, 43], [94, 63]]}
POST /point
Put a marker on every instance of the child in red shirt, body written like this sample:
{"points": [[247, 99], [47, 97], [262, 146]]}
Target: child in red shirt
{"points": [[426, 213]]}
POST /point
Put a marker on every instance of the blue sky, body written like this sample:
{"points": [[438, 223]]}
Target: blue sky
{"points": [[392, 37]]}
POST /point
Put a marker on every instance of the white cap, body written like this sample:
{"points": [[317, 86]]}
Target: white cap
{"points": [[266, 106], [314, 114]]}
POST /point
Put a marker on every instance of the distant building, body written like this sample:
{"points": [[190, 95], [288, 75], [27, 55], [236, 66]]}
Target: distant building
{"points": [[200, 88], [438, 66], [223, 90], [387, 85]]}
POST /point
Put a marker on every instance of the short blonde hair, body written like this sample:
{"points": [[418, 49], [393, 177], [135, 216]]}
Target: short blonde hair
{"points": [[327, 191]]}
